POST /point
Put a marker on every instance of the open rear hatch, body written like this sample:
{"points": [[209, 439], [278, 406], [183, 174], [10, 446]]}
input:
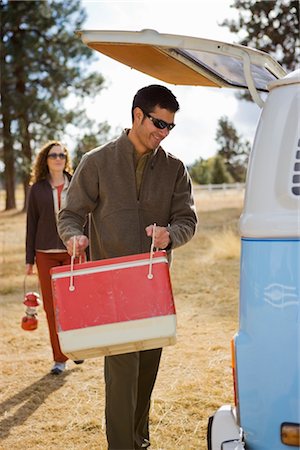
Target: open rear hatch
{"points": [[185, 60]]}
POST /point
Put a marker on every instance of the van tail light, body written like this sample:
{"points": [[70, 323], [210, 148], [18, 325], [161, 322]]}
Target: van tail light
{"points": [[234, 375], [233, 370], [290, 434]]}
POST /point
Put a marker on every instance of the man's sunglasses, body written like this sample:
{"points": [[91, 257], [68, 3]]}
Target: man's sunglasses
{"points": [[57, 155], [159, 123]]}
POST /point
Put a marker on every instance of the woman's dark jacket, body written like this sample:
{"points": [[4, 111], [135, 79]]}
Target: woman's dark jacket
{"points": [[41, 231]]}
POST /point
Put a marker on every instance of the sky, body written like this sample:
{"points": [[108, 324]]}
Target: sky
{"points": [[200, 107]]}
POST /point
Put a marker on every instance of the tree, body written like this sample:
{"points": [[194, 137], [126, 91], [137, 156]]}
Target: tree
{"points": [[271, 26], [233, 150], [219, 173], [42, 64], [89, 141], [212, 170], [200, 171]]}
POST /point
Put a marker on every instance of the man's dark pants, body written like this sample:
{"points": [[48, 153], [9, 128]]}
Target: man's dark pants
{"points": [[129, 379]]}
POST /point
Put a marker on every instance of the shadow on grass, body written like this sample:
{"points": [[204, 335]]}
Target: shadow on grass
{"points": [[29, 400], [12, 212]]}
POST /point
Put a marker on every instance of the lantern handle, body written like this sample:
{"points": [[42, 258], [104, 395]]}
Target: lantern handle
{"points": [[37, 283]]}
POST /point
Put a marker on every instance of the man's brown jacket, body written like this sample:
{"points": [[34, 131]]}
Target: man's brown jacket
{"points": [[104, 185]]}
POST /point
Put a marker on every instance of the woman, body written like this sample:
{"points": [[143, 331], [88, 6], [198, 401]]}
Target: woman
{"points": [[50, 179]]}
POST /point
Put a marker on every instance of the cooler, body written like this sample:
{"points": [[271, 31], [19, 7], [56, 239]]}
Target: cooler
{"points": [[114, 306]]}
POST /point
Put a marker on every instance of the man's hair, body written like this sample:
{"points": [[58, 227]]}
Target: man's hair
{"points": [[154, 95]]}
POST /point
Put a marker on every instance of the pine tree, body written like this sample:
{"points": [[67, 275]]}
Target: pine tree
{"points": [[43, 62], [232, 149], [94, 138], [271, 26]]}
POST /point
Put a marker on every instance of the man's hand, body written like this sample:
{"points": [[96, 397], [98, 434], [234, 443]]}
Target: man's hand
{"points": [[161, 238], [77, 249]]}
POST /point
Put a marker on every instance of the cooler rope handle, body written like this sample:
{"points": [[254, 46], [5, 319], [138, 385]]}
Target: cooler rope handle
{"points": [[150, 274], [71, 286]]}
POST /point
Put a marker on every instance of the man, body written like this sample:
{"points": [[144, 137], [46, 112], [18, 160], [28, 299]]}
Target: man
{"points": [[128, 185]]}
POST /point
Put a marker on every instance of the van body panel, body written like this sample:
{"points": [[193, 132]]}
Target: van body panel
{"points": [[268, 342], [272, 197]]}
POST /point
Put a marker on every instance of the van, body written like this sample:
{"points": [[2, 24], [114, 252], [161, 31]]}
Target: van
{"points": [[266, 347]]}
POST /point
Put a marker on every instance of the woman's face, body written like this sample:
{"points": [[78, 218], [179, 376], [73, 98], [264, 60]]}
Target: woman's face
{"points": [[56, 159]]}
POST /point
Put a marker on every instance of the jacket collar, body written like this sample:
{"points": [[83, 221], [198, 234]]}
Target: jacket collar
{"points": [[128, 147]]}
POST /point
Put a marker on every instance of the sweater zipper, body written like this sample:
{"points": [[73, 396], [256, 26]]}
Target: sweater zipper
{"points": [[146, 174]]}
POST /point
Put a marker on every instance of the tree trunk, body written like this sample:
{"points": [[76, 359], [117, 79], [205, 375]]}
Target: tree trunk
{"points": [[26, 156], [24, 130], [8, 151], [8, 157]]}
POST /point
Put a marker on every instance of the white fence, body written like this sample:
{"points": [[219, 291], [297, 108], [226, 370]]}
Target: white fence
{"points": [[219, 187]]}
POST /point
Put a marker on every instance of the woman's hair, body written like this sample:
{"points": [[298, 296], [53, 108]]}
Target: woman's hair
{"points": [[154, 95], [40, 168]]}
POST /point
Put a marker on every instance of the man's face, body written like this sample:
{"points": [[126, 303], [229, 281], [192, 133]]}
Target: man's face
{"points": [[147, 136]]}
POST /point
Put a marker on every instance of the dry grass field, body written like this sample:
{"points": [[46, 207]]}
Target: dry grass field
{"points": [[40, 411]]}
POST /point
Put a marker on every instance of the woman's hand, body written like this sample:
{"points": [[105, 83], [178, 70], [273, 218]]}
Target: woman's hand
{"points": [[29, 269]]}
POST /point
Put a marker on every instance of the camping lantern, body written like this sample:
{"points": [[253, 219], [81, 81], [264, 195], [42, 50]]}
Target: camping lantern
{"points": [[30, 321]]}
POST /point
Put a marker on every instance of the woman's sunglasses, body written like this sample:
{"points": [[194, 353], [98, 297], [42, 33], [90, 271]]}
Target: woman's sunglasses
{"points": [[159, 123], [57, 155]]}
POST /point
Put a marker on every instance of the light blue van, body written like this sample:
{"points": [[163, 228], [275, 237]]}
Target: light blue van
{"points": [[267, 345], [266, 348]]}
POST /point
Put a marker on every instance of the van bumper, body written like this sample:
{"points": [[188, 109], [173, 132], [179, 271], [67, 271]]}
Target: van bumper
{"points": [[223, 432]]}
